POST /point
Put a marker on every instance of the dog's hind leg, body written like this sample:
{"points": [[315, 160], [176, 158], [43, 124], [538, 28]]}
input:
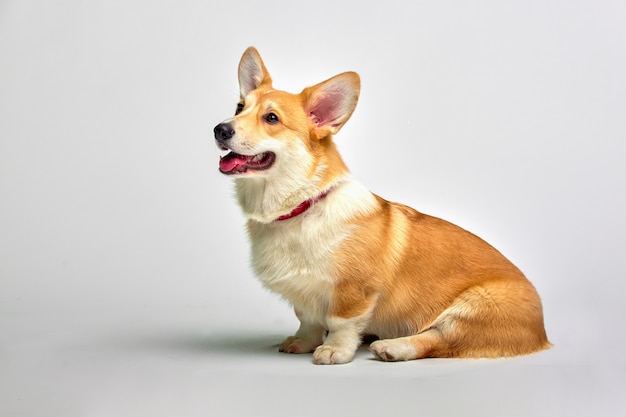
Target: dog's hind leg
{"points": [[422, 345], [494, 319]]}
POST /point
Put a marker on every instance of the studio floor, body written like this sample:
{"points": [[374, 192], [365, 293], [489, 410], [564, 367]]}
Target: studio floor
{"points": [[172, 363]]}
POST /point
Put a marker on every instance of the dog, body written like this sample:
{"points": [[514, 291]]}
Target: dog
{"points": [[350, 262]]}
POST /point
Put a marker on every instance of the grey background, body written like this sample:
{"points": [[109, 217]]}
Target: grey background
{"points": [[124, 281]]}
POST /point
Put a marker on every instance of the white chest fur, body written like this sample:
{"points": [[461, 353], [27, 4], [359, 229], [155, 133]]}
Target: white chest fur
{"points": [[294, 257]]}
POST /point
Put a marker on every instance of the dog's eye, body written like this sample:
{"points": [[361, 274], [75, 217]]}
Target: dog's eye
{"points": [[271, 118], [240, 107]]}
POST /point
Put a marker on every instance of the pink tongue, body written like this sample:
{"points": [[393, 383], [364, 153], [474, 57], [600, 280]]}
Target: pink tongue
{"points": [[233, 161]]}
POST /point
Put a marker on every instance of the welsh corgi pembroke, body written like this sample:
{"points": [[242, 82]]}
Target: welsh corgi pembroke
{"points": [[350, 262]]}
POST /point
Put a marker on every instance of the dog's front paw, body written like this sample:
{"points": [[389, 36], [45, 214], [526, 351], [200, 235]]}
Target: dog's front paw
{"points": [[293, 344], [330, 355]]}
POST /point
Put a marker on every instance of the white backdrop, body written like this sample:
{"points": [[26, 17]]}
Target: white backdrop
{"points": [[124, 281]]}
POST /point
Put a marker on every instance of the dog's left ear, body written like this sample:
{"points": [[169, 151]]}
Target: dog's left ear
{"points": [[330, 103], [252, 72]]}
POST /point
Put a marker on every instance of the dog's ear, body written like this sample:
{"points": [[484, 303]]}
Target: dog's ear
{"points": [[252, 72], [330, 103]]}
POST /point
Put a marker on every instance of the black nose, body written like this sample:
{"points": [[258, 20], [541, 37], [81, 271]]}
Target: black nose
{"points": [[223, 132]]}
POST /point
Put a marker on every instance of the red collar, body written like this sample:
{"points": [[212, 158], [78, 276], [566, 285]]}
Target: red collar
{"points": [[304, 206]]}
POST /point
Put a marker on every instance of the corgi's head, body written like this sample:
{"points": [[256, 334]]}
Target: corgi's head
{"points": [[279, 145]]}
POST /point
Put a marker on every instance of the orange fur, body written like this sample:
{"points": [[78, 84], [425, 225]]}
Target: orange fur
{"points": [[435, 275], [354, 263]]}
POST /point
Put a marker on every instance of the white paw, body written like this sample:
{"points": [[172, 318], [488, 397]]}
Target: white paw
{"points": [[292, 344], [390, 350], [329, 355]]}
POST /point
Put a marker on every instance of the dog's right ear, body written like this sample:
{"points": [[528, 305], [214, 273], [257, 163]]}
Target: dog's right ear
{"points": [[252, 72]]}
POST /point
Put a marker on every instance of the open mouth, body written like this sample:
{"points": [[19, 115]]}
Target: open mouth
{"points": [[234, 163]]}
